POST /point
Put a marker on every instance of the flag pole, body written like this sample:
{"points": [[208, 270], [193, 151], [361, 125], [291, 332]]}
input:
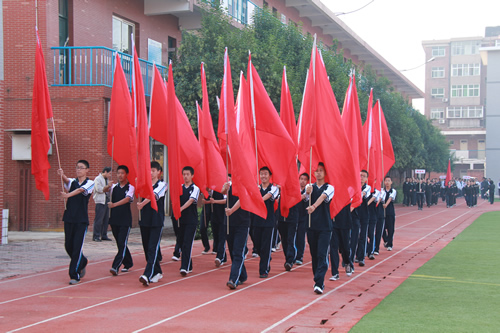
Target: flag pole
{"points": [[58, 158], [165, 172], [112, 153], [310, 173], [227, 174], [253, 115], [224, 85]]}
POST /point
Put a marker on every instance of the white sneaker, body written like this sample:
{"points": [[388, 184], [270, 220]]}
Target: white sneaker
{"points": [[175, 258], [335, 277], [318, 290], [273, 249], [144, 280], [156, 278], [389, 248], [184, 272], [254, 255]]}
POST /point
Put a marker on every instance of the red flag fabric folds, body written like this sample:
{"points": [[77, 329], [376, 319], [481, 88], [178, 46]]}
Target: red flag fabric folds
{"points": [[287, 115], [320, 115], [41, 110], [372, 139], [121, 125], [213, 165], [351, 119], [244, 185], [448, 173], [275, 147], [144, 185], [385, 142]]}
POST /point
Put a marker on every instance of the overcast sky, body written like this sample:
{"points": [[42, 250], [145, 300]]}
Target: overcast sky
{"points": [[396, 28]]}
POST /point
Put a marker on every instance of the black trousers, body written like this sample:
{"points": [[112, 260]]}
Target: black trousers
{"points": [[187, 232], [390, 222], [178, 238], [263, 237], [363, 234], [406, 199], [221, 244], [420, 199], [206, 219], [414, 198], [355, 230], [301, 239], [101, 221], [428, 199], [74, 235], [120, 233], [237, 242], [319, 245], [288, 232], [379, 231], [151, 237], [370, 244], [339, 241]]}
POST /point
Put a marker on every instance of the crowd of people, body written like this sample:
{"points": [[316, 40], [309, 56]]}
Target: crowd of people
{"points": [[417, 191], [354, 234]]}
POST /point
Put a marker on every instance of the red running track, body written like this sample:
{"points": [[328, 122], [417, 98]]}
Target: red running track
{"points": [[201, 301]]}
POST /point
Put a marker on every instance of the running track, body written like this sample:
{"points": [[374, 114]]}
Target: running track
{"points": [[201, 301]]}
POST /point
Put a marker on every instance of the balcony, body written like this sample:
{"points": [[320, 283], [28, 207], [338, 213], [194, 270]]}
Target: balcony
{"points": [[94, 66], [468, 156]]}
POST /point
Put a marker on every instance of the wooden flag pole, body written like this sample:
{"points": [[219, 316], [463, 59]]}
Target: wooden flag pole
{"points": [[254, 120], [165, 165], [112, 153], [58, 158]]}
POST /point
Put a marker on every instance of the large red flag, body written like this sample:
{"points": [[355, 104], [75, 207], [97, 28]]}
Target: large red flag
{"points": [[448, 173], [332, 147], [190, 153], [275, 147], [41, 110], [372, 138], [351, 119], [287, 115], [215, 171], [173, 143], [144, 185], [122, 143], [244, 185], [388, 158]]}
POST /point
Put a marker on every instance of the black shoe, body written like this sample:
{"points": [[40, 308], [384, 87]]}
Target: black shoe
{"points": [[231, 285], [83, 272], [106, 239], [263, 276], [113, 271], [371, 256], [96, 239], [361, 263], [288, 267]]}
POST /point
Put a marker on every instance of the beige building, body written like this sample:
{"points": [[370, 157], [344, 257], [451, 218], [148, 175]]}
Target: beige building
{"points": [[455, 97]]}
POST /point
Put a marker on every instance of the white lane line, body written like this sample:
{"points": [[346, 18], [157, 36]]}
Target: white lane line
{"points": [[358, 276]]}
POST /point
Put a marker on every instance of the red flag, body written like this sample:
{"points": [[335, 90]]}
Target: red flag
{"points": [[332, 147], [385, 143], [287, 114], [188, 146], [448, 174], [372, 138], [222, 134], [244, 184], [122, 144], [215, 171], [41, 110], [173, 140], [275, 147], [144, 185]]}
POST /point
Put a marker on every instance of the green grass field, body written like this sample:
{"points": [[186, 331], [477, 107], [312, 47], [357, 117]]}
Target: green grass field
{"points": [[456, 291]]}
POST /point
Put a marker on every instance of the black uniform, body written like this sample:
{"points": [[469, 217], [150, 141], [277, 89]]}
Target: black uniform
{"points": [[406, 193], [428, 194], [390, 218], [121, 222], [364, 217], [76, 222], [187, 225], [372, 224], [379, 230], [287, 227], [151, 224], [319, 233], [263, 230], [491, 188], [420, 191], [301, 229], [340, 239], [218, 216]]}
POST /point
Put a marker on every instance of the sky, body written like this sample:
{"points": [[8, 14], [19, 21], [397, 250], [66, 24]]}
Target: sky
{"points": [[396, 28]]}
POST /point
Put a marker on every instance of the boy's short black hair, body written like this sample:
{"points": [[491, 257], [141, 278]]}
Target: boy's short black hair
{"points": [[321, 164], [188, 168], [387, 177], [106, 169], [156, 165], [122, 167], [305, 174], [265, 168], [367, 174], [84, 162]]}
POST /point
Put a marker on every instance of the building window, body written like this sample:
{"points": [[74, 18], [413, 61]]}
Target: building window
{"points": [[275, 12], [452, 142], [122, 35], [283, 18], [437, 113], [172, 48], [465, 112], [437, 72], [465, 90], [63, 22], [437, 92], [438, 51], [464, 48], [465, 70]]}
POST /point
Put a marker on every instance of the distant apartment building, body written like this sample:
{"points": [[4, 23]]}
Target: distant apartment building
{"points": [[81, 39], [455, 98]]}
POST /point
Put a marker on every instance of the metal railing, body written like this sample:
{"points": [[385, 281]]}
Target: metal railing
{"points": [[94, 66]]}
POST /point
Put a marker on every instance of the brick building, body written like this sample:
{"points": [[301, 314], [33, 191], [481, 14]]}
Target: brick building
{"points": [[80, 39]]}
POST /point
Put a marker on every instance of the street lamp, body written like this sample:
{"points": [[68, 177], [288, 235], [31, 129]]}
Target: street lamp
{"points": [[410, 69]]}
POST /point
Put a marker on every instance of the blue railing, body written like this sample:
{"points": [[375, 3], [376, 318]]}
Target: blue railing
{"points": [[94, 66]]}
